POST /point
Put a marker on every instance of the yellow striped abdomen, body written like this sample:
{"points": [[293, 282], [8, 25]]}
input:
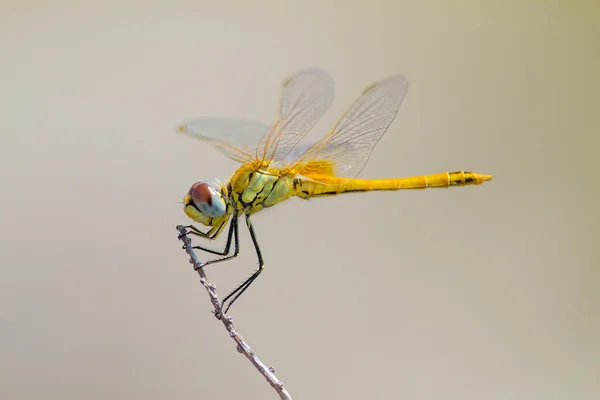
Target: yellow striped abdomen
{"points": [[329, 185]]}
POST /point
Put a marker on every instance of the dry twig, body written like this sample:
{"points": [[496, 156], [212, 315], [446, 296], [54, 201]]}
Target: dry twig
{"points": [[242, 346]]}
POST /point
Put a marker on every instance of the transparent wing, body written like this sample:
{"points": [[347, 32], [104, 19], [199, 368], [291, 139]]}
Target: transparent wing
{"points": [[346, 149], [304, 98], [236, 138]]}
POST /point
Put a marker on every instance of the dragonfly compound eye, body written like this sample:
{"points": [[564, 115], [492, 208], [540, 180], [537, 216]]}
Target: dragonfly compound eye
{"points": [[208, 200]]}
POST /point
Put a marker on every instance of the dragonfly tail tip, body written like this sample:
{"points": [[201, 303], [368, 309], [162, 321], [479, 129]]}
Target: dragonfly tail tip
{"points": [[484, 178]]}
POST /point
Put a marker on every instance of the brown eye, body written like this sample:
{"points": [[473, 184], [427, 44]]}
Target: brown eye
{"points": [[208, 200], [201, 194]]}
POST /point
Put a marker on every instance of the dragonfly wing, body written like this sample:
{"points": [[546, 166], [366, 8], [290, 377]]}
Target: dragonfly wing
{"points": [[304, 98], [236, 138], [346, 149]]}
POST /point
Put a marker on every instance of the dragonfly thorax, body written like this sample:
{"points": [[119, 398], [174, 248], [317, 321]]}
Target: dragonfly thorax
{"points": [[255, 187], [205, 203]]}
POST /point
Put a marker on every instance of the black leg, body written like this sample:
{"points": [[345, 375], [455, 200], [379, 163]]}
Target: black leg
{"points": [[237, 292], [211, 234], [232, 236]]}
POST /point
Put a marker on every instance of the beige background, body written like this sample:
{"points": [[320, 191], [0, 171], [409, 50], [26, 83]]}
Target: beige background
{"points": [[487, 292]]}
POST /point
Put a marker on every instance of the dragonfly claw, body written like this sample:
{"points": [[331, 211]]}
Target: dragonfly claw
{"points": [[196, 268]]}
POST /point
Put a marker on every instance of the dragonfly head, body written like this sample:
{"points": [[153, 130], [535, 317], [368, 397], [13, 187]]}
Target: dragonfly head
{"points": [[205, 204]]}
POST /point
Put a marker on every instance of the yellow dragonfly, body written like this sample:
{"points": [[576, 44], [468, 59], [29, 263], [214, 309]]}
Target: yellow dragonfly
{"points": [[276, 167]]}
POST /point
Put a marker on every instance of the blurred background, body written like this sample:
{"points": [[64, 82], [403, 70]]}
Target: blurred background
{"points": [[480, 292]]}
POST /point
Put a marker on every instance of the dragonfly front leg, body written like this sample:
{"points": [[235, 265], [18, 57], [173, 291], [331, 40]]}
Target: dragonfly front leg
{"points": [[211, 234], [237, 292]]}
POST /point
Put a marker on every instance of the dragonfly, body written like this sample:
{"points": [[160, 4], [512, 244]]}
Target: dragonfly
{"points": [[277, 165]]}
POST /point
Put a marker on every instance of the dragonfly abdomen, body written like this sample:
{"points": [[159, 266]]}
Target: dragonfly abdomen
{"points": [[331, 186]]}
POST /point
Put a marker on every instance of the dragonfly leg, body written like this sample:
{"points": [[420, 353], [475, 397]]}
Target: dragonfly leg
{"points": [[212, 233], [237, 292], [193, 230], [232, 237]]}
